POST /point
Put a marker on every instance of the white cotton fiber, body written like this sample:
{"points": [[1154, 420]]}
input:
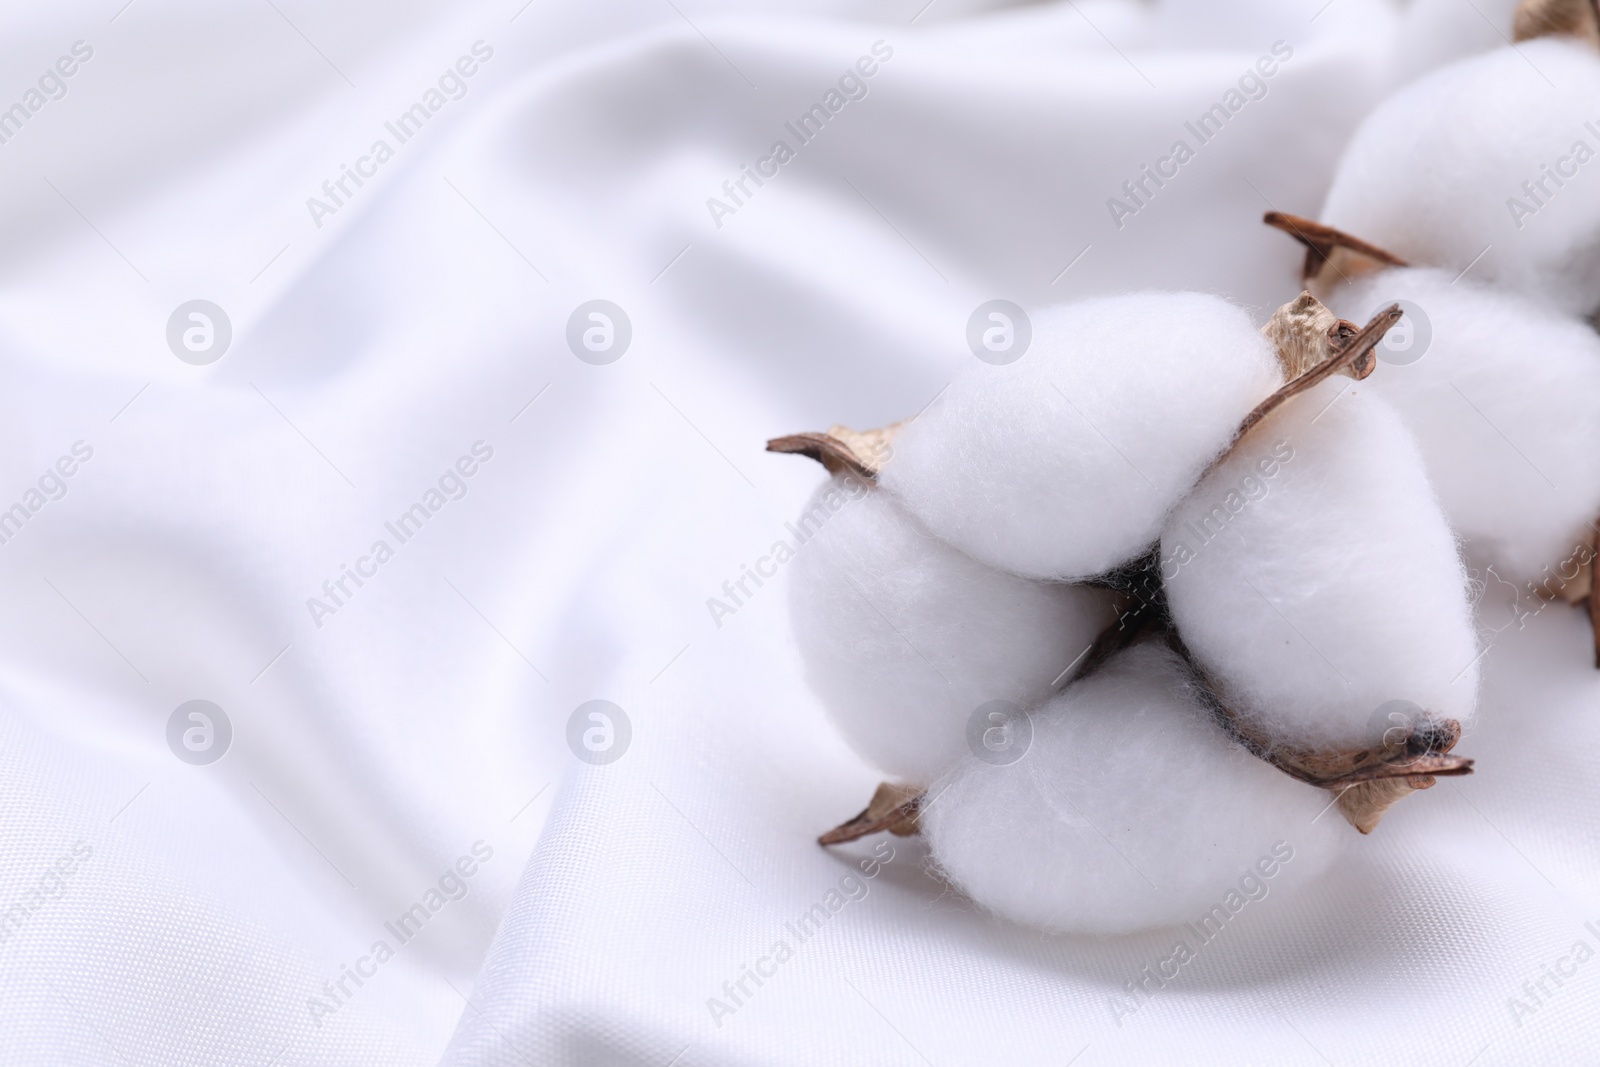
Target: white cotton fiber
{"points": [[1504, 400], [1131, 809], [1062, 464], [1314, 577], [1436, 173], [904, 637]]}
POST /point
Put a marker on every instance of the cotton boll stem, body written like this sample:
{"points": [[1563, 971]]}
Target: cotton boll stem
{"points": [[1332, 256], [1553, 18], [893, 807], [843, 450]]}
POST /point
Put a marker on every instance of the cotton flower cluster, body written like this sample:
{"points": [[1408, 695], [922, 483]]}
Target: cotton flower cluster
{"points": [[1281, 546], [1304, 573]]}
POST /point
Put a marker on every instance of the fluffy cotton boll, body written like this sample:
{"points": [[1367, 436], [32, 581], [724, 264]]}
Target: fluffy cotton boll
{"points": [[1062, 464], [1131, 809], [904, 637], [1502, 394], [1314, 577], [1485, 158]]}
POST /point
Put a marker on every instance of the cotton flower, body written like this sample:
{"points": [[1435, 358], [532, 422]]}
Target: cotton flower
{"points": [[1314, 578], [904, 637], [1131, 809], [1062, 464], [1503, 395], [1490, 164]]}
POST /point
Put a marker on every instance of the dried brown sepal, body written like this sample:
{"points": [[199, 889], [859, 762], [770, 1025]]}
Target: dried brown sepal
{"points": [[1364, 804], [1365, 782], [1574, 589], [1304, 333], [1357, 348], [1578, 589], [893, 807], [827, 450], [1332, 256], [1594, 624], [1368, 782], [1557, 18], [843, 450], [1423, 751], [1344, 332]]}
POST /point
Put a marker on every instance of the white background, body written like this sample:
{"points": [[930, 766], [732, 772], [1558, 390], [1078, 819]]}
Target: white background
{"points": [[429, 712]]}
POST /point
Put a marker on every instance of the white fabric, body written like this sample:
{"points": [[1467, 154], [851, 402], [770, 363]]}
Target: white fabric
{"points": [[429, 712]]}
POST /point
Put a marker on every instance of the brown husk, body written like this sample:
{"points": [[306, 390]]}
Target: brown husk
{"points": [[1356, 349], [843, 450], [1332, 256], [1306, 334], [1593, 603], [1552, 18], [1366, 782], [893, 807]]}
